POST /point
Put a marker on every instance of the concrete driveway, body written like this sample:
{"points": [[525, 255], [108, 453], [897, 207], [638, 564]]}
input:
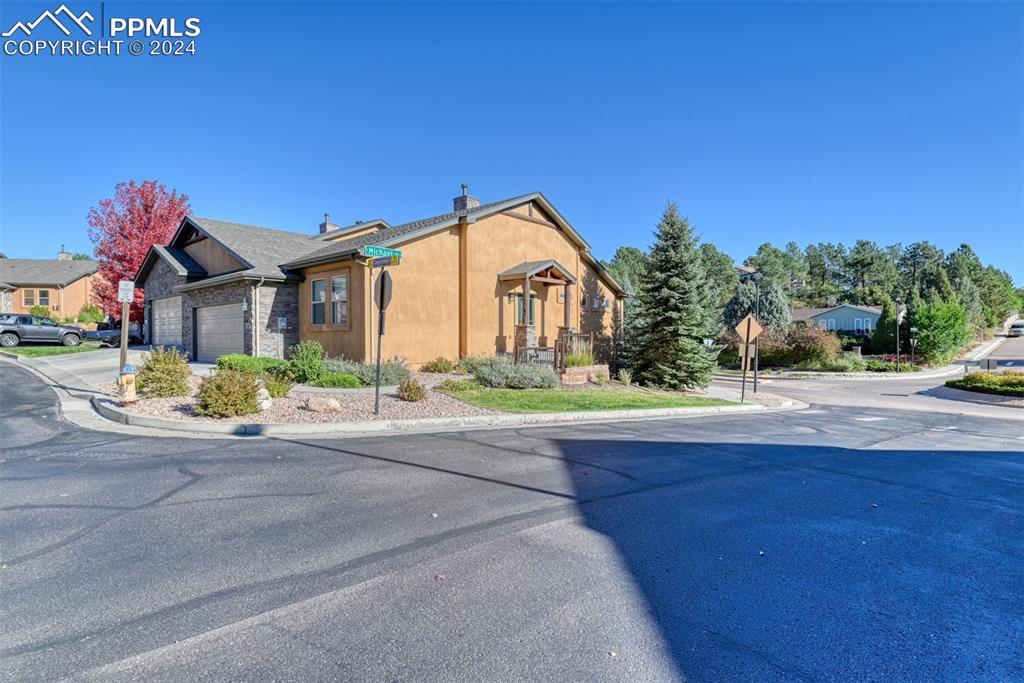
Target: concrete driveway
{"points": [[836, 543], [81, 373]]}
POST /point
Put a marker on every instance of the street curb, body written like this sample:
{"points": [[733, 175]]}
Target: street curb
{"points": [[107, 409], [944, 371], [985, 349]]}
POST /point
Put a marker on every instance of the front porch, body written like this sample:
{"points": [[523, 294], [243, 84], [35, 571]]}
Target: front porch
{"points": [[522, 284]]}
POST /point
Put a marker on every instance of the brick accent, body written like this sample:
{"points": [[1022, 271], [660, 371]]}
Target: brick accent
{"points": [[585, 373], [526, 335], [278, 301]]}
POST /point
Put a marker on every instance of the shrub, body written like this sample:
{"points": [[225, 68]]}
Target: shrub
{"points": [[392, 372], [439, 364], [90, 314], [942, 331], [849, 362], [456, 385], [579, 359], [471, 364], [164, 373], [42, 311], [278, 383], [256, 364], [810, 343], [411, 390], [227, 393], [508, 376], [1004, 383], [337, 380], [626, 377], [307, 361]]}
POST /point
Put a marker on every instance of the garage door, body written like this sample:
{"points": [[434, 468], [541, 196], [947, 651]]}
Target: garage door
{"points": [[166, 321], [218, 331]]}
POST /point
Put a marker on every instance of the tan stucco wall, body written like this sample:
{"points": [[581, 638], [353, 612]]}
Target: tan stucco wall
{"points": [[63, 304], [348, 341], [423, 319]]}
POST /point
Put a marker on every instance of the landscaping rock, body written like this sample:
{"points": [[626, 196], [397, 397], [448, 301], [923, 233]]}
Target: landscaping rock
{"points": [[263, 398], [323, 404]]}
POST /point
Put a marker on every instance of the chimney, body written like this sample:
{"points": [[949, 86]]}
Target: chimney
{"points": [[464, 202], [327, 225], [63, 255]]}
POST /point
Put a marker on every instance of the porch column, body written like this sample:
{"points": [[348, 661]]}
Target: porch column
{"points": [[568, 306], [526, 300]]}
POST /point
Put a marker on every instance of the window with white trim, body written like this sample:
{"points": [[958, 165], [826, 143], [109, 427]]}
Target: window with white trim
{"points": [[858, 325], [28, 297], [318, 302], [339, 300], [831, 324], [44, 297], [867, 325]]}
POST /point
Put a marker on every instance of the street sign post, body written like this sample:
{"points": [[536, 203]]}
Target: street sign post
{"points": [[749, 330], [382, 297], [125, 294]]}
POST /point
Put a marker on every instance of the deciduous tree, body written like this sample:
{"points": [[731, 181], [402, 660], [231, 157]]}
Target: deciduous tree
{"points": [[123, 228]]}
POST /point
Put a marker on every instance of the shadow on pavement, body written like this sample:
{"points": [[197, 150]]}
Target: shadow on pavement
{"points": [[796, 563]]}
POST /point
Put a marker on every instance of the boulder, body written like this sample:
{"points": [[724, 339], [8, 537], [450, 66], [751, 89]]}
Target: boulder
{"points": [[323, 404], [263, 398]]}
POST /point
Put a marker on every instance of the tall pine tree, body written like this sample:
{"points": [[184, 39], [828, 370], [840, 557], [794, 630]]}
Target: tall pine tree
{"points": [[677, 304]]}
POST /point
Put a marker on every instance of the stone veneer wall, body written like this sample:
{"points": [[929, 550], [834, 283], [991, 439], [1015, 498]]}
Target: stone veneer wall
{"points": [[235, 292], [160, 282], [278, 301]]}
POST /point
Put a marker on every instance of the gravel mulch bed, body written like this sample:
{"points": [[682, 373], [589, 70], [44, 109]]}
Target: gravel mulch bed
{"points": [[354, 407]]}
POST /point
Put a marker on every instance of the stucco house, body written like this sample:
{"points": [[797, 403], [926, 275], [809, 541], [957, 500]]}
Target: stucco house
{"points": [[62, 284], [459, 290], [846, 318]]}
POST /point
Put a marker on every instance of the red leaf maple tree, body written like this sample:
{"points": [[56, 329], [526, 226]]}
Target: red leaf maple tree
{"points": [[123, 228]]}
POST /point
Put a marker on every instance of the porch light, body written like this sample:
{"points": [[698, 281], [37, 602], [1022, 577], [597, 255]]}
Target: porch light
{"points": [[245, 305]]}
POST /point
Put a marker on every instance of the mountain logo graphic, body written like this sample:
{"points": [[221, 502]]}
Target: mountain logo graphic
{"points": [[52, 16]]}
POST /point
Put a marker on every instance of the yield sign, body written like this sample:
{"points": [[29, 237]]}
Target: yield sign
{"points": [[749, 329]]}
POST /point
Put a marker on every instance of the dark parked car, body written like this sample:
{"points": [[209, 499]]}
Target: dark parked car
{"points": [[18, 328], [110, 333]]}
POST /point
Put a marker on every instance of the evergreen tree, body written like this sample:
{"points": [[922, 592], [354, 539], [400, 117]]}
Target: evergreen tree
{"points": [[677, 309], [775, 313], [883, 340], [628, 346]]}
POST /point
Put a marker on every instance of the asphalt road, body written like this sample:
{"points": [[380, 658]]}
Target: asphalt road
{"points": [[1010, 354], [835, 543]]}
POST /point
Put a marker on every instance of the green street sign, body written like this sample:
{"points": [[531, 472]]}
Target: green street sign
{"points": [[380, 252]]}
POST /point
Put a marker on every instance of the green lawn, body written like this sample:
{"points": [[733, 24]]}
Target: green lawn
{"points": [[569, 400], [52, 349]]}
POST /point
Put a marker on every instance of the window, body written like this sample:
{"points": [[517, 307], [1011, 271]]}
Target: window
{"points": [[339, 300], [317, 300], [561, 296], [44, 297], [831, 324], [858, 325], [867, 325], [584, 301], [28, 297], [596, 300], [519, 308]]}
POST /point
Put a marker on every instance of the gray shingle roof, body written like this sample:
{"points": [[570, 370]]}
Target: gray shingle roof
{"points": [[798, 314], [343, 247], [26, 271], [180, 261], [532, 268], [265, 249]]}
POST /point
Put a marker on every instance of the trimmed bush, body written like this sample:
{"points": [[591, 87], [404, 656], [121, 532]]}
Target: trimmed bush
{"points": [[256, 364], [337, 380], [810, 343], [1002, 383], [509, 376], [456, 385], [626, 377], [90, 314], [164, 373], [227, 393], [411, 390], [439, 364], [307, 361]]}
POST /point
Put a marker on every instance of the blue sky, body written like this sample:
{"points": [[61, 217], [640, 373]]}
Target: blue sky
{"points": [[765, 122]]}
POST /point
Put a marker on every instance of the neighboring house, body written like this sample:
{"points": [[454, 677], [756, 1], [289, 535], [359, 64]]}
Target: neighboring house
{"points": [[63, 285], [459, 290], [842, 318]]}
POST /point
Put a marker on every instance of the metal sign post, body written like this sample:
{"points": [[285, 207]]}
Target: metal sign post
{"points": [[749, 330], [382, 296], [125, 294]]}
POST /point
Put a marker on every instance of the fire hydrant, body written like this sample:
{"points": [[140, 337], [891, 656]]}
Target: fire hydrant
{"points": [[126, 382]]}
